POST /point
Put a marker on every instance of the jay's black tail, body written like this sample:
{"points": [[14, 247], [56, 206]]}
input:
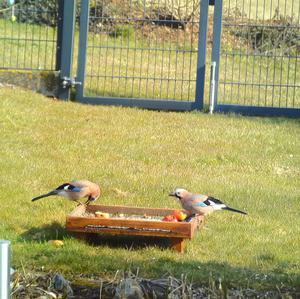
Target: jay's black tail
{"points": [[234, 210], [54, 192]]}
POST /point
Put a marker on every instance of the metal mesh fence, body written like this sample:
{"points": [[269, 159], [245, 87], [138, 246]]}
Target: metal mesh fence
{"points": [[260, 59], [149, 48], [28, 35], [143, 49]]}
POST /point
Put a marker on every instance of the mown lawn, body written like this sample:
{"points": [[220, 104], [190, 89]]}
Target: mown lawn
{"points": [[252, 164]]}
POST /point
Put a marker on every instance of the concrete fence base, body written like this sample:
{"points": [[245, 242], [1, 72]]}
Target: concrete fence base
{"points": [[43, 82]]}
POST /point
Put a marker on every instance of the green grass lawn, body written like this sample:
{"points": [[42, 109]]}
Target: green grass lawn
{"points": [[252, 164]]}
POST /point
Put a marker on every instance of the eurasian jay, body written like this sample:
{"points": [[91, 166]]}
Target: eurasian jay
{"points": [[75, 190], [200, 204]]}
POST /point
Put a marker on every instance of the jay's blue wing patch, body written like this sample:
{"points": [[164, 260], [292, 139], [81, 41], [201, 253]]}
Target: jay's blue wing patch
{"points": [[69, 187], [76, 189], [201, 204]]}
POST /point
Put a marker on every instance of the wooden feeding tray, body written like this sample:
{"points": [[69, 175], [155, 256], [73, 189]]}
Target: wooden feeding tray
{"points": [[132, 221]]}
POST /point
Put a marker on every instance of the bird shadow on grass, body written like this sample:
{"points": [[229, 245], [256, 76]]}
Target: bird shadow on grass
{"points": [[46, 232]]}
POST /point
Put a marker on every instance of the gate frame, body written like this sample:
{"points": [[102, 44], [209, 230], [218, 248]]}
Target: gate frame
{"points": [[235, 108], [64, 59], [65, 46], [160, 104]]}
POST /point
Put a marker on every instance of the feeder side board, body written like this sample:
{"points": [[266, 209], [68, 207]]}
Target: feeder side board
{"points": [[130, 227]]}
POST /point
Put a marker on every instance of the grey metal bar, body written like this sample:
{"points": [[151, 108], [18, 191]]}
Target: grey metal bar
{"points": [[144, 103], [25, 69], [4, 269], [269, 55], [255, 25], [37, 40], [98, 83], [69, 12], [216, 44], [259, 84], [259, 111], [147, 20], [59, 34], [83, 41], [202, 39], [136, 77]]}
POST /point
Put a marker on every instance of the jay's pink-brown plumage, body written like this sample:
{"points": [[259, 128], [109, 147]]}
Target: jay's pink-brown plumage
{"points": [[75, 191], [200, 204]]}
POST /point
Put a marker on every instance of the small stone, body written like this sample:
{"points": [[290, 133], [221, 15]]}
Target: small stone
{"points": [[128, 288], [60, 284]]}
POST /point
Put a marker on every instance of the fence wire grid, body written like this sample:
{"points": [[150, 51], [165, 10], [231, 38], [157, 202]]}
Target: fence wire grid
{"points": [[143, 49], [149, 49], [260, 56], [28, 35]]}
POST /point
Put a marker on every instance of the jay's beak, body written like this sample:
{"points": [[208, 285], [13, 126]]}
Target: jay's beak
{"points": [[172, 194]]}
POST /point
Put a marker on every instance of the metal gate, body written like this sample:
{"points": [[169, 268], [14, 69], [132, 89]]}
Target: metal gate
{"points": [[147, 54], [152, 53], [257, 57]]}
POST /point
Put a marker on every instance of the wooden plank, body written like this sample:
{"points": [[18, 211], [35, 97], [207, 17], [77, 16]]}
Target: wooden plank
{"points": [[161, 228], [126, 232], [138, 223]]}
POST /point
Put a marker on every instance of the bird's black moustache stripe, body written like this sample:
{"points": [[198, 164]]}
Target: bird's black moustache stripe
{"points": [[177, 196], [174, 194]]}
